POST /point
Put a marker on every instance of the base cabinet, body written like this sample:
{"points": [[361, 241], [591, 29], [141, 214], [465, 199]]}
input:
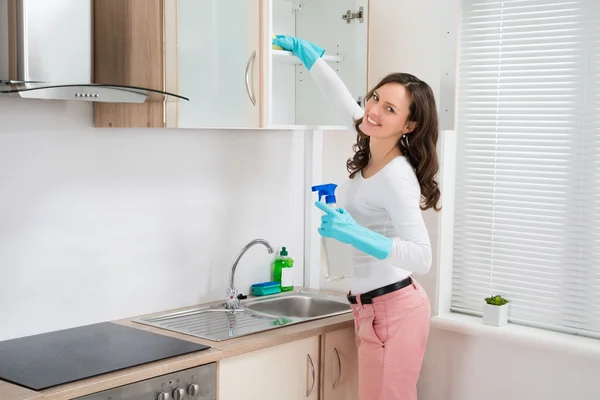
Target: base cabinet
{"points": [[290, 371], [340, 366], [317, 368]]}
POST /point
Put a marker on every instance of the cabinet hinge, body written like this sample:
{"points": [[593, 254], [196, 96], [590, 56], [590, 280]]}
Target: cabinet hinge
{"points": [[349, 16]]}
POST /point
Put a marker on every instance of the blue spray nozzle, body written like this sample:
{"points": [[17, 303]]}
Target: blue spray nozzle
{"points": [[327, 190]]}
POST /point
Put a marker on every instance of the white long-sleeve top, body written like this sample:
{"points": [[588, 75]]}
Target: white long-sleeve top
{"points": [[387, 203]]}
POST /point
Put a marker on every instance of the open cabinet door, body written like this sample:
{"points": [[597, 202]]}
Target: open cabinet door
{"points": [[292, 97], [218, 56], [416, 37], [341, 28]]}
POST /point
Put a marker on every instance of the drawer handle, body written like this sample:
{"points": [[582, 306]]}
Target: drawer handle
{"points": [[312, 369], [249, 84], [339, 368]]}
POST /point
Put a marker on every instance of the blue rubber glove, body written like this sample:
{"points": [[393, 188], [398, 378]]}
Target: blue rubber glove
{"points": [[339, 224], [306, 51]]}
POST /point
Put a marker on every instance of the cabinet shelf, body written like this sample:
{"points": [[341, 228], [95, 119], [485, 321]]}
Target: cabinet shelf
{"points": [[288, 57]]}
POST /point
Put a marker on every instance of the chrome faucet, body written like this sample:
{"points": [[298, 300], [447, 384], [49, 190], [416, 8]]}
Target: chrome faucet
{"points": [[233, 302]]}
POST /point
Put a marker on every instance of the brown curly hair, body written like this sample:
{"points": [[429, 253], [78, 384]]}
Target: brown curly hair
{"points": [[419, 146]]}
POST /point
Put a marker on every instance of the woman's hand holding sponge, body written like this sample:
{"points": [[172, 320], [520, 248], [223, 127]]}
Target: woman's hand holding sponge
{"points": [[306, 51], [275, 47]]}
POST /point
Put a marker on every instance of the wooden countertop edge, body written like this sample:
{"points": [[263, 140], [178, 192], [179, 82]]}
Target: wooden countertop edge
{"points": [[217, 352]]}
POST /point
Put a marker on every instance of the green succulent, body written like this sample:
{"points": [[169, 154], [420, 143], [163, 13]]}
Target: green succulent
{"points": [[496, 300]]}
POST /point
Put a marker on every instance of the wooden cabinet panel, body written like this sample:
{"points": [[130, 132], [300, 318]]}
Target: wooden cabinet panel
{"points": [[340, 366], [128, 50]]}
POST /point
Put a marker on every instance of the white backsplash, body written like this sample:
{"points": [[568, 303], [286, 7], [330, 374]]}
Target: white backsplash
{"points": [[101, 224]]}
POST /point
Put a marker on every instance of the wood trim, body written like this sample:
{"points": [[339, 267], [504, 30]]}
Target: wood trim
{"points": [[13, 64], [129, 50]]}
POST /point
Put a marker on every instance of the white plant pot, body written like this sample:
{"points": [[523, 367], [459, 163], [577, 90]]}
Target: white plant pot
{"points": [[495, 315]]}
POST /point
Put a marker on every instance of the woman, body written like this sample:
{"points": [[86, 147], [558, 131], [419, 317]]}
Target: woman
{"points": [[392, 179]]}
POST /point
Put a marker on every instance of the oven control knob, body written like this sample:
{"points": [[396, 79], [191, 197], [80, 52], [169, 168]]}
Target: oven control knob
{"points": [[178, 394], [164, 396], [194, 390]]}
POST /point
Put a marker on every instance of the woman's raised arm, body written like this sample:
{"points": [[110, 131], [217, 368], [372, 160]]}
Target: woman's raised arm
{"points": [[329, 83]]}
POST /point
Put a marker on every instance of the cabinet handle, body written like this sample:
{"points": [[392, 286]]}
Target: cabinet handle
{"points": [[250, 80], [312, 368], [339, 368]]}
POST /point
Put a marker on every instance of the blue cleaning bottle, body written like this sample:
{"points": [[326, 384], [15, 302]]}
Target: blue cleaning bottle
{"points": [[335, 255]]}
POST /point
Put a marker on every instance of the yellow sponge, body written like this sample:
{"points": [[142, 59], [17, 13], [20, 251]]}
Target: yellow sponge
{"points": [[274, 46]]}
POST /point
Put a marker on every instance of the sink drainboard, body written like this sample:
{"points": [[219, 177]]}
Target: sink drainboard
{"points": [[215, 324]]}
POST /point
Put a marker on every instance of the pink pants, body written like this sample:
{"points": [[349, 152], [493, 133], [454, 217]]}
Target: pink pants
{"points": [[391, 336]]}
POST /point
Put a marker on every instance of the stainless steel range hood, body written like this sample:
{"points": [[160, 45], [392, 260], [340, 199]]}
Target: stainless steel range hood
{"points": [[50, 54]]}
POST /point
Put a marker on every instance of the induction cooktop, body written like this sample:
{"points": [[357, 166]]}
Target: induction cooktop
{"points": [[50, 359]]}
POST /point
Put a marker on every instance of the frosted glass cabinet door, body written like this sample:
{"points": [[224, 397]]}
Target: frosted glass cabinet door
{"points": [[217, 63]]}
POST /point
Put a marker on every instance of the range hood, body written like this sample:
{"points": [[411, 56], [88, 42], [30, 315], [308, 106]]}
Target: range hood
{"points": [[50, 54]]}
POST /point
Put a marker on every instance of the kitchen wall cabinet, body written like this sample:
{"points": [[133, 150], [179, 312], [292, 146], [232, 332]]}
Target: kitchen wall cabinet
{"points": [[218, 53], [341, 28], [205, 50], [289, 371], [340, 366], [213, 59], [235, 79]]}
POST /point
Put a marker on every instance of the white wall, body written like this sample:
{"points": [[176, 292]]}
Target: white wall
{"points": [[461, 366], [103, 224]]}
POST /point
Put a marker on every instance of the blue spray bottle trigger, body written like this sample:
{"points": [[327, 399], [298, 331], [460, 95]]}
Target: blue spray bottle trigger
{"points": [[328, 191]]}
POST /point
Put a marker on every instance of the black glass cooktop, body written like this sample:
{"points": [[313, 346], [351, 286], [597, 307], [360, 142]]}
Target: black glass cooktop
{"points": [[55, 358]]}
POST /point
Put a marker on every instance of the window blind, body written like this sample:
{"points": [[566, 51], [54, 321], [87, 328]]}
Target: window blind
{"points": [[527, 218]]}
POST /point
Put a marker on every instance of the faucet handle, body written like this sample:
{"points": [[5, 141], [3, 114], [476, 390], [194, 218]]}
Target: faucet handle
{"points": [[232, 298]]}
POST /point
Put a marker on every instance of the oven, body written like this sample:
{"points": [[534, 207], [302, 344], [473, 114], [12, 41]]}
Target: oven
{"points": [[199, 383]]}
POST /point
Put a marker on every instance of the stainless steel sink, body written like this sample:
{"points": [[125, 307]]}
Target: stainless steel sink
{"points": [[235, 318], [298, 306], [257, 314]]}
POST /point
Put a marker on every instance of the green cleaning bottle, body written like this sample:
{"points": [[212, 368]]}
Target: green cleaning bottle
{"points": [[283, 271]]}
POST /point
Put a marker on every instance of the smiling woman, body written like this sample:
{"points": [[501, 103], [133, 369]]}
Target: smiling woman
{"points": [[392, 178], [401, 108]]}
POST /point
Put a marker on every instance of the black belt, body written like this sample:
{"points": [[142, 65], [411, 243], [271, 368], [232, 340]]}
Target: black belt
{"points": [[367, 297]]}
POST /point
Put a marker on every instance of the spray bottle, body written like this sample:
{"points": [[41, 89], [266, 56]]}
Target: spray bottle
{"points": [[335, 255]]}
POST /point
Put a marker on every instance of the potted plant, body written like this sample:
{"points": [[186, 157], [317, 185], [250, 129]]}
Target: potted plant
{"points": [[495, 310]]}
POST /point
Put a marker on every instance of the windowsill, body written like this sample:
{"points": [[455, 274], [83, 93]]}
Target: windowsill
{"points": [[518, 334]]}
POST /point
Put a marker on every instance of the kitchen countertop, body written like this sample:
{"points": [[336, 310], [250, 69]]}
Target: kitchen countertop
{"points": [[218, 351]]}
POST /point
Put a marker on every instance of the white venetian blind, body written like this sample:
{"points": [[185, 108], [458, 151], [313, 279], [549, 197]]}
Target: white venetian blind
{"points": [[528, 164]]}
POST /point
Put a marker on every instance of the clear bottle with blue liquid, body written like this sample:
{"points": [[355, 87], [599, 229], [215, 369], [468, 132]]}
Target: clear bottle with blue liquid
{"points": [[335, 255]]}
